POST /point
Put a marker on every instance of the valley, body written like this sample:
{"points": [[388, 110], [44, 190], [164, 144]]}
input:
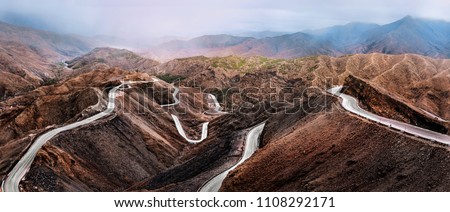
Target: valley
{"points": [[283, 113]]}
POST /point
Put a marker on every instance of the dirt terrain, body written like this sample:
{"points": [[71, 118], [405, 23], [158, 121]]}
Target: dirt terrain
{"points": [[136, 143], [334, 152], [309, 143], [383, 104], [25, 116], [104, 58], [418, 81], [30, 58]]}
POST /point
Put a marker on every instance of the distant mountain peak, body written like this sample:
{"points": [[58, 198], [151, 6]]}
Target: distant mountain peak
{"points": [[407, 35], [408, 17], [406, 22]]}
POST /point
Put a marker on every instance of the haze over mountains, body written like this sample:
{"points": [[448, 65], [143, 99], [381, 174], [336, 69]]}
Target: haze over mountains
{"points": [[408, 35], [309, 142], [29, 57], [154, 157], [38, 54]]}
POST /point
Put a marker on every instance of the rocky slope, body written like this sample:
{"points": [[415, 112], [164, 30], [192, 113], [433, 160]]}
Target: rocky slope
{"points": [[418, 81], [384, 105], [30, 58], [333, 151], [24, 117], [208, 45], [22, 69], [137, 148], [104, 58], [138, 142], [52, 46]]}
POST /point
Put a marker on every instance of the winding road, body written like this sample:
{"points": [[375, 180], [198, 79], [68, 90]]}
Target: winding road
{"points": [[351, 104], [214, 105], [177, 122], [214, 102], [183, 134], [12, 180], [251, 145], [11, 183]]}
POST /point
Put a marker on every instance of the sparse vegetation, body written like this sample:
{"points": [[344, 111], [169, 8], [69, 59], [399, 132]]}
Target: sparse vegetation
{"points": [[170, 78], [3, 94], [49, 81], [248, 65], [100, 60], [231, 62], [313, 68]]}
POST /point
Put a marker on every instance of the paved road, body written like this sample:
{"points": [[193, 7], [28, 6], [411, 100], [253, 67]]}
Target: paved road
{"points": [[214, 105], [351, 104], [183, 134], [11, 183], [178, 123], [12, 180], [251, 145]]}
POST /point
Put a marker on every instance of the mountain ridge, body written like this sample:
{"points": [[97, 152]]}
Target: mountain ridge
{"points": [[426, 37], [30, 58]]}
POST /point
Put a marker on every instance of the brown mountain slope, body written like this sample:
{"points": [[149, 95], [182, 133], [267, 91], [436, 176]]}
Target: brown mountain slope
{"points": [[384, 104], [138, 147], [416, 80], [335, 152], [52, 46], [138, 142], [207, 45], [104, 58], [30, 58], [25, 116], [21, 68], [420, 82]]}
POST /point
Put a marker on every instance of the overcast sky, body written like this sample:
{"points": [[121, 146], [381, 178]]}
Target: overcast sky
{"points": [[152, 18]]}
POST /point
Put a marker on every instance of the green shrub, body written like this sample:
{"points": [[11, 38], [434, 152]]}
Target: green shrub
{"points": [[49, 81], [169, 78]]}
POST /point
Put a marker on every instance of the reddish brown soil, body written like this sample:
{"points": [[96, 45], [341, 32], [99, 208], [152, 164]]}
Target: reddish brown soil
{"points": [[318, 148], [418, 81], [138, 143], [339, 152], [380, 102], [26, 116], [105, 58]]}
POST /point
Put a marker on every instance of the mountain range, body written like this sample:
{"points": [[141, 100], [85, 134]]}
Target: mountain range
{"points": [[30, 58], [125, 122], [407, 35], [138, 147]]}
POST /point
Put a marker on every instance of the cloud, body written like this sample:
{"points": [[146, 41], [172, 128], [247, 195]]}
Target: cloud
{"points": [[146, 19]]}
